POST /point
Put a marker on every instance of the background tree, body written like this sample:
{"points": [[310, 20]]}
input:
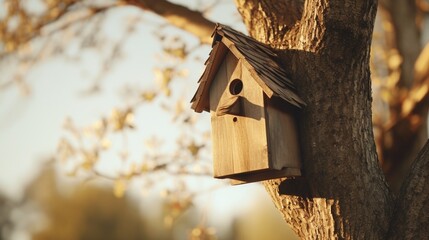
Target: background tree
{"points": [[5, 221], [325, 47], [85, 212]]}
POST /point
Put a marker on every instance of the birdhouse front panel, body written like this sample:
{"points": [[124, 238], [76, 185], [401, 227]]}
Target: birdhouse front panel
{"points": [[238, 120]]}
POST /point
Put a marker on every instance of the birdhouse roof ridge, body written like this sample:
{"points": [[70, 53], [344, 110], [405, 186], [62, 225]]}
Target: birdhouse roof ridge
{"points": [[260, 60]]}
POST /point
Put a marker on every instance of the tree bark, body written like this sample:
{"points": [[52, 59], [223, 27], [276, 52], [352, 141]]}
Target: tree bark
{"points": [[327, 55]]}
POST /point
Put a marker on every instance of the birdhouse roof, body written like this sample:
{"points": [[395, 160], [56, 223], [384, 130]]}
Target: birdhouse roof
{"points": [[259, 59]]}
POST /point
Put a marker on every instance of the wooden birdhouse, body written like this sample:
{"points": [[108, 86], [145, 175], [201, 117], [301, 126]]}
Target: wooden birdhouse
{"points": [[252, 106]]}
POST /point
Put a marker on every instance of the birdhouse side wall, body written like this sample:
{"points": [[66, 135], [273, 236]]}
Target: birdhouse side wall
{"points": [[239, 136], [282, 137]]}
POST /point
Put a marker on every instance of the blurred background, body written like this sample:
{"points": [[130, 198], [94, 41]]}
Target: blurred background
{"points": [[97, 139]]}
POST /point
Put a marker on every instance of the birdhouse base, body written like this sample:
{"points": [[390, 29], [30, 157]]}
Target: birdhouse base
{"points": [[261, 175]]}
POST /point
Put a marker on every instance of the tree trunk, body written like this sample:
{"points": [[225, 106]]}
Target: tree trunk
{"points": [[343, 193]]}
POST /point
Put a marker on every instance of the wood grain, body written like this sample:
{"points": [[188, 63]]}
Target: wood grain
{"points": [[282, 138], [240, 140]]}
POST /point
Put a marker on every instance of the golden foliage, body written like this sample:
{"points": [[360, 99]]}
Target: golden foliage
{"points": [[148, 96], [202, 233], [19, 26], [421, 69], [121, 119], [119, 188], [194, 148], [163, 78]]}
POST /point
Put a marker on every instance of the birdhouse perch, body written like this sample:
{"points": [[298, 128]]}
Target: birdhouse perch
{"points": [[252, 105]]}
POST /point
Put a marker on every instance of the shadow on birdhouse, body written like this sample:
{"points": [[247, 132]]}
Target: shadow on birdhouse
{"points": [[252, 106]]}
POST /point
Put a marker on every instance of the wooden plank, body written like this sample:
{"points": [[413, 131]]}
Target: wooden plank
{"points": [[256, 77], [202, 99], [232, 48], [236, 72], [282, 138], [222, 156], [249, 129], [238, 140], [232, 62], [263, 175], [233, 71]]}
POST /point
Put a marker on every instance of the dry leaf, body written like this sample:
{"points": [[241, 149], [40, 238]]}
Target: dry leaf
{"points": [[194, 149], [105, 144], [119, 188], [89, 159], [394, 60], [178, 52], [407, 106], [121, 119], [420, 93], [202, 233], [421, 66], [65, 150], [148, 96]]}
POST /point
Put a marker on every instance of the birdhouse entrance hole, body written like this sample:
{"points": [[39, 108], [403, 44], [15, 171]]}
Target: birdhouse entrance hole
{"points": [[235, 86]]}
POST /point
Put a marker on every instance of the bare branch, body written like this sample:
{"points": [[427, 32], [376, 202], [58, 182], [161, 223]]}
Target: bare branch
{"points": [[423, 5], [180, 16], [411, 219], [17, 40], [417, 97], [405, 36], [44, 27], [420, 68]]}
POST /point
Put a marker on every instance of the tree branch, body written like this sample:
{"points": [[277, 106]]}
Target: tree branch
{"points": [[45, 27], [18, 38], [283, 14], [420, 68], [406, 128], [180, 16], [405, 36], [417, 97], [411, 219], [423, 6]]}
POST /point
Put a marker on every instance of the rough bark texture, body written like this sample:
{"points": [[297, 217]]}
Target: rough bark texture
{"points": [[327, 55]]}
